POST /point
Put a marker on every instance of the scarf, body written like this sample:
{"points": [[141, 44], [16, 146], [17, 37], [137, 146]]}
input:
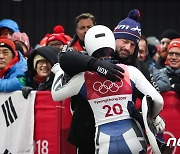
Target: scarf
{"points": [[40, 79], [171, 71]]}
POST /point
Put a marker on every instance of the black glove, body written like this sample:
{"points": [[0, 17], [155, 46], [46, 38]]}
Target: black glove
{"points": [[26, 90], [106, 69]]}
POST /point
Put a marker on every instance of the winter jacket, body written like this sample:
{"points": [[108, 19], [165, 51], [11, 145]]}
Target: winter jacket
{"points": [[174, 77], [159, 77], [49, 53], [15, 77]]}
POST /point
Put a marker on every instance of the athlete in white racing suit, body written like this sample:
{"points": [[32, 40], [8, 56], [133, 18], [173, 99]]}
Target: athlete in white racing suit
{"points": [[116, 131]]}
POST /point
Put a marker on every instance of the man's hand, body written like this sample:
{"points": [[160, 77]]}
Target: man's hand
{"points": [[106, 69]]}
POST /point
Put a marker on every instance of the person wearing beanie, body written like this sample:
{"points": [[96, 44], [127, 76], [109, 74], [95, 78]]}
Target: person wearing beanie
{"points": [[8, 27], [57, 40], [21, 40], [39, 75], [12, 66], [127, 34], [173, 68], [165, 39]]}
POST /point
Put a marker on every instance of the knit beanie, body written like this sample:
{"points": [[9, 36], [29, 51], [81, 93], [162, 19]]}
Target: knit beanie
{"points": [[174, 43], [49, 53], [22, 37], [36, 59], [5, 42], [170, 34], [58, 37], [129, 28]]}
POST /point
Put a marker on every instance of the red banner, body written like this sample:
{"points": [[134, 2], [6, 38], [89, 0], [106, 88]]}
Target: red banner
{"points": [[52, 121], [171, 115]]}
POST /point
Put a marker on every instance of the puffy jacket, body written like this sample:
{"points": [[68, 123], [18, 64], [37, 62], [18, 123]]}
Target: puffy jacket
{"points": [[15, 78]]}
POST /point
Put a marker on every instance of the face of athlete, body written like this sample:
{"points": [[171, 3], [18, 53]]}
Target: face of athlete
{"points": [[82, 27], [125, 47]]}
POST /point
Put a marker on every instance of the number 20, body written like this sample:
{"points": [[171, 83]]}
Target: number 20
{"points": [[116, 109]]}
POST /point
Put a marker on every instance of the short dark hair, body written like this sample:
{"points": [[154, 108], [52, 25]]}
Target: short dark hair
{"points": [[84, 16], [103, 52]]}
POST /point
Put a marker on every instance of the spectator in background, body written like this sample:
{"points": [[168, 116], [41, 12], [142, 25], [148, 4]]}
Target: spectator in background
{"points": [[12, 67], [40, 61], [159, 77], [22, 43], [8, 27], [39, 76], [82, 23], [58, 38], [173, 68], [165, 39]]}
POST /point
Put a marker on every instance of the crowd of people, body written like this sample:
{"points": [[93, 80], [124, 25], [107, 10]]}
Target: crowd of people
{"points": [[95, 68]]}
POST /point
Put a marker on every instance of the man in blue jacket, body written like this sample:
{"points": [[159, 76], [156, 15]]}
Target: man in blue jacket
{"points": [[12, 67]]}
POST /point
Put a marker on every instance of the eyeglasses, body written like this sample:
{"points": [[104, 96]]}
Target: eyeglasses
{"points": [[41, 62], [5, 52], [174, 53]]}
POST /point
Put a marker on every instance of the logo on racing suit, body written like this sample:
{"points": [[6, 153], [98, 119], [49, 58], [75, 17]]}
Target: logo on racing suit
{"points": [[107, 86]]}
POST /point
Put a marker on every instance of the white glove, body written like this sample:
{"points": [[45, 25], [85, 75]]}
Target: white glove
{"points": [[56, 68], [159, 123]]}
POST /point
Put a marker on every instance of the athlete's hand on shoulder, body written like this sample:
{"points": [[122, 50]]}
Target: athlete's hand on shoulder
{"points": [[56, 68], [107, 69]]}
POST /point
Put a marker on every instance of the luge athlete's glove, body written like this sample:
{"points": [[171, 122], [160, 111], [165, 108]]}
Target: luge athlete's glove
{"points": [[106, 69], [74, 62]]}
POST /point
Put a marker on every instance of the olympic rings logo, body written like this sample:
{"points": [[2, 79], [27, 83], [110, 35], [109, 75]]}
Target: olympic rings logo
{"points": [[107, 86]]}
